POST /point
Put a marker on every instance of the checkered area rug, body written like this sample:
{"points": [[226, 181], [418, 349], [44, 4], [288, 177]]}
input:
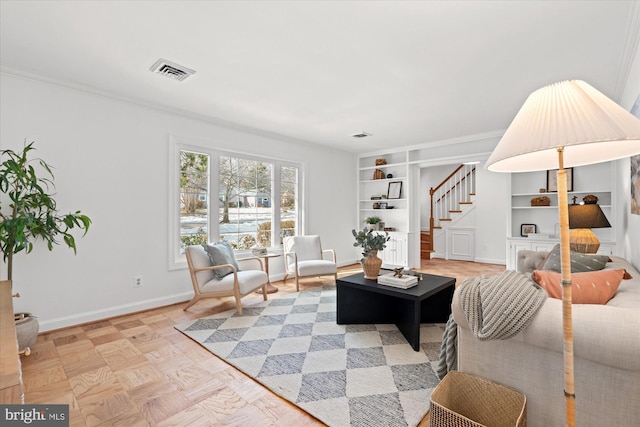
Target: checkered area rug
{"points": [[344, 375]]}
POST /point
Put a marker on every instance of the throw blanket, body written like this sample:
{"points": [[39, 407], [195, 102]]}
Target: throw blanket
{"points": [[496, 308]]}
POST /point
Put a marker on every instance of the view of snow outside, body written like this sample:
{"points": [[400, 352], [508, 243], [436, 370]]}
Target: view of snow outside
{"points": [[241, 221]]}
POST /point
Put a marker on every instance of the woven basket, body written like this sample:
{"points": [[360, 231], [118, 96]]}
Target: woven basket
{"points": [[540, 201], [464, 400]]}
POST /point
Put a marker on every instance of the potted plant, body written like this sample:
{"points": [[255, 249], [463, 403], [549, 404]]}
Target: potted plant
{"points": [[371, 243], [373, 222], [31, 215]]}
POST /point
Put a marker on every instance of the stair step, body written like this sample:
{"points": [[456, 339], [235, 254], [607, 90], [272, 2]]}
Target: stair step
{"points": [[466, 203], [445, 219], [437, 227], [455, 211], [472, 194]]}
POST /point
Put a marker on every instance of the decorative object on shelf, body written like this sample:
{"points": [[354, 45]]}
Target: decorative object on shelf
{"points": [[525, 229], [590, 199], [384, 205], [376, 205], [552, 180], [389, 175], [389, 229], [582, 218], [541, 201], [395, 190], [380, 162], [376, 197], [543, 190], [378, 174], [371, 243], [566, 124], [397, 272], [373, 221], [381, 226], [390, 206]]}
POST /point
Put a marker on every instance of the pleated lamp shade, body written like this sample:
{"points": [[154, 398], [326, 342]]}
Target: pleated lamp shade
{"points": [[570, 114]]}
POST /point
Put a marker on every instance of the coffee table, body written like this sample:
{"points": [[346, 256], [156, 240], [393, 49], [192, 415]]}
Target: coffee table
{"points": [[364, 301]]}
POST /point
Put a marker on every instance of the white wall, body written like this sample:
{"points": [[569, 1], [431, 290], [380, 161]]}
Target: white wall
{"points": [[628, 236], [111, 162]]}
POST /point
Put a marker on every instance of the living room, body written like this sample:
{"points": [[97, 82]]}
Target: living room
{"points": [[111, 147]]}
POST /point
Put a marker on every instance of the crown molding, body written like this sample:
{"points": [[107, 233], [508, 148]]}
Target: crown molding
{"points": [[32, 76]]}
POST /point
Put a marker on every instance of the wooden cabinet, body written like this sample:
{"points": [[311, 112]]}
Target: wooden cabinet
{"points": [[11, 389]]}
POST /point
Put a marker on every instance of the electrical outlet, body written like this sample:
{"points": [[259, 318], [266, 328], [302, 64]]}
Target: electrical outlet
{"points": [[137, 281]]}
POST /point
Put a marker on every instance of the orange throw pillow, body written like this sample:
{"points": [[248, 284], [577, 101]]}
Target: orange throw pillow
{"points": [[593, 287]]}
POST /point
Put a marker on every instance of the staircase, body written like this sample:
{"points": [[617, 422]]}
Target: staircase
{"points": [[448, 200]]}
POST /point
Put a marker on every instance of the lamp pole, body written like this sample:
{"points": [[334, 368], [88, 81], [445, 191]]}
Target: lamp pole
{"points": [[567, 321]]}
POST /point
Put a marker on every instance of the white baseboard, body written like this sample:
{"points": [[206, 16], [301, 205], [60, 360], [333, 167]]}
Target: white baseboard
{"points": [[490, 261], [92, 316]]}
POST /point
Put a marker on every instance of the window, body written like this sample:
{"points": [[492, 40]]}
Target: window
{"points": [[245, 200]]}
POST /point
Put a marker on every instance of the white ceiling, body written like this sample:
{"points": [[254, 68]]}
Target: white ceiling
{"points": [[407, 72]]}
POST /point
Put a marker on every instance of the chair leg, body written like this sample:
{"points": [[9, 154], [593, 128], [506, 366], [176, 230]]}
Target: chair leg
{"points": [[297, 283], [194, 300], [239, 306], [285, 277], [264, 292]]}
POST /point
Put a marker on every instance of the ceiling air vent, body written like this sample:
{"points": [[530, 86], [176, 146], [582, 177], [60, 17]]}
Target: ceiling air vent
{"points": [[171, 70], [361, 135]]}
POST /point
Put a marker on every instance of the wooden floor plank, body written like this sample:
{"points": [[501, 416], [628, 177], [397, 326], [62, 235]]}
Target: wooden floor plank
{"points": [[137, 370]]}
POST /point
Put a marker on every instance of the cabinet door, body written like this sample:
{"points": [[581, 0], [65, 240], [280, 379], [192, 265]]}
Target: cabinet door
{"points": [[542, 246], [514, 248], [402, 249]]}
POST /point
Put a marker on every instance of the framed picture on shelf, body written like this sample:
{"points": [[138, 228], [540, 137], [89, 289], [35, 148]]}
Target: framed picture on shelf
{"points": [[395, 190], [552, 180], [525, 229]]}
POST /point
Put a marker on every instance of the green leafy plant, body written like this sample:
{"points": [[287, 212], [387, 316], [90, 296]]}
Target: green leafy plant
{"points": [[370, 241], [32, 212], [373, 220]]}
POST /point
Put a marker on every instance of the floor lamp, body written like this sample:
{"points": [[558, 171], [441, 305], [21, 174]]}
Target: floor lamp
{"points": [[562, 125]]}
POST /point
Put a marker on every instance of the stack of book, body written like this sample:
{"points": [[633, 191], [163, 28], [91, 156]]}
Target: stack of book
{"points": [[404, 282]]}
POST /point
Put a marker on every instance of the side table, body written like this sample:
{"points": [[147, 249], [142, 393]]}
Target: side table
{"points": [[270, 288]]}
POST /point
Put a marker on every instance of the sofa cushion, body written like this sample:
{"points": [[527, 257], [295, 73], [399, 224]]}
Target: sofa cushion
{"points": [[221, 253], [579, 262], [595, 287]]}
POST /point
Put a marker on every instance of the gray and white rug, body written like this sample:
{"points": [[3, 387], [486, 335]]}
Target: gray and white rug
{"points": [[344, 375]]}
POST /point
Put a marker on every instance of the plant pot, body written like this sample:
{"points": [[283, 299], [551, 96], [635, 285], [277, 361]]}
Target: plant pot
{"points": [[27, 332], [371, 265]]}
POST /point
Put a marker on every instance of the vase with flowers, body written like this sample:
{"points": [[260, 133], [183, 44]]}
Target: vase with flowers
{"points": [[371, 243]]}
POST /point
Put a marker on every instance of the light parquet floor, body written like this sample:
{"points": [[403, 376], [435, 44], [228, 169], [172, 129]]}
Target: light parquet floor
{"points": [[137, 370]]}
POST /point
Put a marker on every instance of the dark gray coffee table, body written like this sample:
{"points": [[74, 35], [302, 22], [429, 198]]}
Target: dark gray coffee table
{"points": [[364, 301]]}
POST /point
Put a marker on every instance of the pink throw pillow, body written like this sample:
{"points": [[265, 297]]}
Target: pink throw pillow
{"points": [[593, 287]]}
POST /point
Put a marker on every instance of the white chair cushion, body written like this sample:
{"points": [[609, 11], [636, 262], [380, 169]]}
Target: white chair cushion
{"points": [[249, 281], [305, 247], [316, 268], [200, 259]]}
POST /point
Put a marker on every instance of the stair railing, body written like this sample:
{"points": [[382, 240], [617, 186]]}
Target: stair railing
{"points": [[454, 190]]}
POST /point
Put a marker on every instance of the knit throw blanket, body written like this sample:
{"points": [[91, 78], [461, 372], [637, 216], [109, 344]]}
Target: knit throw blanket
{"points": [[496, 308]]}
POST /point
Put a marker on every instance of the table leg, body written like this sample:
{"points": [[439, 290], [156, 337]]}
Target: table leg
{"points": [[270, 288]]}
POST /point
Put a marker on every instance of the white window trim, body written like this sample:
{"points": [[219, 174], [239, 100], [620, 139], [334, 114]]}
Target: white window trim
{"points": [[177, 144]]}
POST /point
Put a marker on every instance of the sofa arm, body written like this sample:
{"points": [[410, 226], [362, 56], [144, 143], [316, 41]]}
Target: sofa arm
{"points": [[603, 334]]}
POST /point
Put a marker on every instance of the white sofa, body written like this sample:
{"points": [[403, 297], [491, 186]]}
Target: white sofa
{"points": [[606, 356]]}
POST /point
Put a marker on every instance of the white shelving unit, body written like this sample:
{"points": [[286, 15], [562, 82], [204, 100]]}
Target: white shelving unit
{"points": [[592, 179], [396, 215]]}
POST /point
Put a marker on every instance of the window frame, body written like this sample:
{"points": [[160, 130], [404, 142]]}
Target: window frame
{"points": [[177, 261]]}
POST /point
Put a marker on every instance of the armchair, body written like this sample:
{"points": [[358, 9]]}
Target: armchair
{"points": [[304, 257], [238, 283]]}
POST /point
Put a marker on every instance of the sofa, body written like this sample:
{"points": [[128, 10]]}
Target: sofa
{"points": [[606, 355]]}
